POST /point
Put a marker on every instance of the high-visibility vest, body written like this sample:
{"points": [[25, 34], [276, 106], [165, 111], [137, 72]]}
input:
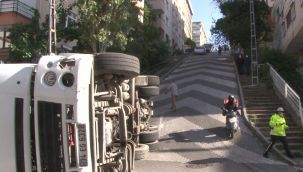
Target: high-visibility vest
{"points": [[278, 125]]}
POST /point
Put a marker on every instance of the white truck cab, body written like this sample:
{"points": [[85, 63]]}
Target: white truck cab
{"points": [[74, 113]]}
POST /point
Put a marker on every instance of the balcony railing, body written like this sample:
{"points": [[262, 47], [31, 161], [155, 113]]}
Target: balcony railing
{"points": [[292, 98], [17, 6]]}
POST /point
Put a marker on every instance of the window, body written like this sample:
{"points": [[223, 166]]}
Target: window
{"points": [[4, 40]]}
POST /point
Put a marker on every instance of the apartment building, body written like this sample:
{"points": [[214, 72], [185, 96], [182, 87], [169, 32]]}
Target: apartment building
{"points": [[13, 12], [199, 35], [288, 26], [174, 20]]}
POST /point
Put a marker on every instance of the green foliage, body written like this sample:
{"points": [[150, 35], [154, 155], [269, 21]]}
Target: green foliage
{"points": [[286, 65], [190, 42], [146, 42], [105, 23], [264, 75], [235, 24], [28, 41]]}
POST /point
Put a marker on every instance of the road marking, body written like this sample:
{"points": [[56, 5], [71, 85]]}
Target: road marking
{"points": [[222, 148]]}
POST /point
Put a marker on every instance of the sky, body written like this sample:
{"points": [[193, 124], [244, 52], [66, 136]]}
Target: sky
{"points": [[205, 11]]}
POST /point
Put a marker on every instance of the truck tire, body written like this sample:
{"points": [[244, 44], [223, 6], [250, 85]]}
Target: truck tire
{"points": [[148, 136], [141, 81], [117, 63], [148, 91], [141, 151], [153, 80]]}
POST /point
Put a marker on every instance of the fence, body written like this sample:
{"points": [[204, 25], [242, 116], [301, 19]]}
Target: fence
{"points": [[292, 98]]}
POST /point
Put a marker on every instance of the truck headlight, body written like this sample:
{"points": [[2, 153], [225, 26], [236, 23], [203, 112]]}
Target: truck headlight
{"points": [[50, 78], [68, 79]]}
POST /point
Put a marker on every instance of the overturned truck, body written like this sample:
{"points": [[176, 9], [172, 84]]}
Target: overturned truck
{"points": [[75, 112]]}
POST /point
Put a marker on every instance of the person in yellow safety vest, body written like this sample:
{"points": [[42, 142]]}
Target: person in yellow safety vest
{"points": [[278, 125]]}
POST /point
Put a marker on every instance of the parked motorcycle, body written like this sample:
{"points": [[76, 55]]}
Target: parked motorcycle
{"points": [[232, 122]]}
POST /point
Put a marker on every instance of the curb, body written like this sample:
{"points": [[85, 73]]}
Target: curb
{"points": [[255, 130]]}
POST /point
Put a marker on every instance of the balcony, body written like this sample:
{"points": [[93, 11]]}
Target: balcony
{"points": [[14, 12]]}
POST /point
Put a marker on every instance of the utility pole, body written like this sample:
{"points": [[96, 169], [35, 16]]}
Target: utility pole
{"points": [[52, 27], [253, 46]]}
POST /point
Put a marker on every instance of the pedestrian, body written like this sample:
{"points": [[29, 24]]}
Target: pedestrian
{"points": [[173, 89], [219, 49], [278, 125], [247, 63], [240, 64]]}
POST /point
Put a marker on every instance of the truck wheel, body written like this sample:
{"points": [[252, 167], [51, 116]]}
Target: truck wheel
{"points": [[153, 80], [148, 136], [141, 80], [148, 91], [141, 151], [117, 63]]}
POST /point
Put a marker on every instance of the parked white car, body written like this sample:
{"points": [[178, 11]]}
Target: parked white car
{"points": [[200, 50]]}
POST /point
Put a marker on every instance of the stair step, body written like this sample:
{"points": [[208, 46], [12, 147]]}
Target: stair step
{"points": [[290, 133], [290, 145], [266, 124], [263, 100], [266, 120], [277, 104], [292, 140], [273, 108], [260, 111]]}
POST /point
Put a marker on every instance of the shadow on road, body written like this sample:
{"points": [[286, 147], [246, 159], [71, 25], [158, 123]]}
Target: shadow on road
{"points": [[209, 135]]}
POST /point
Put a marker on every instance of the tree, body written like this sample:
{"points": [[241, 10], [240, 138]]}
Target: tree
{"points": [[235, 24], [104, 23], [146, 42], [28, 41], [190, 42]]}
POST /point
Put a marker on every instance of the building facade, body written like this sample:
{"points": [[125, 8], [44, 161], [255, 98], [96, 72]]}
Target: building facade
{"points": [[13, 12], [174, 20], [199, 35], [287, 16]]}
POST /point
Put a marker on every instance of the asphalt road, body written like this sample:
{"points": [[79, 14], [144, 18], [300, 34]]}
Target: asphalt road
{"points": [[193, 138]]}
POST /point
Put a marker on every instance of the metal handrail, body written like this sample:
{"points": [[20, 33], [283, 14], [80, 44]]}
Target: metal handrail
{"points": [[287, 92], [17, 6]]}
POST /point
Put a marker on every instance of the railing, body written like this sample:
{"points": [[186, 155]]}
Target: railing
{"points": [[287, 92], [17, 6]]}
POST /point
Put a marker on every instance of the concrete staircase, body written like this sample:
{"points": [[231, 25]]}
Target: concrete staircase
{"points": [[261, 102]]}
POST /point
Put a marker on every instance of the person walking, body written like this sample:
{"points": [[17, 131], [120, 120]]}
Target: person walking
{"points": [[219, 49], [241, 64], [247, 64], [278, 125], [173, 89]]}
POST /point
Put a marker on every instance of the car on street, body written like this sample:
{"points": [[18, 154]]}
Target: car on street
{"points": [[199, 50], [208, 47]]}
